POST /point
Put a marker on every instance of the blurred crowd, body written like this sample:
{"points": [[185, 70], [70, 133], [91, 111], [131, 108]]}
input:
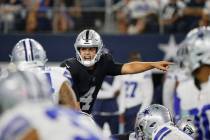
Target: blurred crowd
{"points": [[168, 16], [129, 16], [47, 15]]}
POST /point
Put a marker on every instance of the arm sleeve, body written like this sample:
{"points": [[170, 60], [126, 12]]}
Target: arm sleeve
{"points": [[148, 91], [114, 68]]}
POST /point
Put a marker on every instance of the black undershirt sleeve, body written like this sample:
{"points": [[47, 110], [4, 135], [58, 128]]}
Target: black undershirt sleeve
{"points": [[114, 68]]}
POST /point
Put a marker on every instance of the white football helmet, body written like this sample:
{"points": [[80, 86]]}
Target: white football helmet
{"points": [[28, 52], [22, 86], [198, 41], [150, 119], [187, 126], [181, 56], [86, 39]]}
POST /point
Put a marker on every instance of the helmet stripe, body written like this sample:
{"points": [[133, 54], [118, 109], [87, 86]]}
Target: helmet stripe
{"points": [[87, 36], [32, 55], [28, 49], [161, 132], [25, 50]]}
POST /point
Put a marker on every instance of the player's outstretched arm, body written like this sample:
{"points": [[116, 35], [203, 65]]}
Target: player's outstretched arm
{"points": [[137, 67]]}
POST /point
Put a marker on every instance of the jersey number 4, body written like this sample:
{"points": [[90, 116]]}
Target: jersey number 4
{"points": [[87, 99]]}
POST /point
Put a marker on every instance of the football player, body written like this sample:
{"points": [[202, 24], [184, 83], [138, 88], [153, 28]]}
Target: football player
{"points": [[28, 114], [29, 55], [193, 94], [92, 65], [154, 123], [174, 76]]}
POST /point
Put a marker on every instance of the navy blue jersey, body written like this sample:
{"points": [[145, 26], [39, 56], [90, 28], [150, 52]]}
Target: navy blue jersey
{"points": [[87, 82]]}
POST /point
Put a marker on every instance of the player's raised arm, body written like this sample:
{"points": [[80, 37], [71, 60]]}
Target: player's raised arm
{"points": [[136, 67]]}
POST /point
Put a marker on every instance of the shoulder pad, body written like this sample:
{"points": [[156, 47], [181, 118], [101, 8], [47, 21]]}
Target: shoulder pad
{"points": [[67, 61]]}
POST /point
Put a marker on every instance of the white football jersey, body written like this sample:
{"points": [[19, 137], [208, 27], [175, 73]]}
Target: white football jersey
{"points": [[169, 132], [173, 77], [50, 122], [56, 76], [196, 102], [136, 89]]}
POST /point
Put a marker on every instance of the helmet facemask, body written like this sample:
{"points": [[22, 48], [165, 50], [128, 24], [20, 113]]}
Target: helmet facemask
{"points": [[181, 56], [89, 63], [186, 124], [88, 39]]}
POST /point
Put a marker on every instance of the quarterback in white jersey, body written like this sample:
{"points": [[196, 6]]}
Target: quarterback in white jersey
{"points": [[28, 114], [193, 94], [29, 55]]}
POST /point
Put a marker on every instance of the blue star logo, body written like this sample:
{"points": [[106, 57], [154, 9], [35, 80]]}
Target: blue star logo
{"points": [[169, 49]]}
